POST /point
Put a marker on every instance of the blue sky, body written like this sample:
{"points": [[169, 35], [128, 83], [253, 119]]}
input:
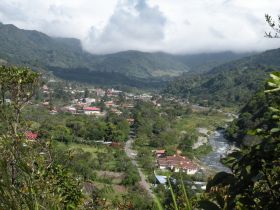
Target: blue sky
{"points": [[175, 26]]}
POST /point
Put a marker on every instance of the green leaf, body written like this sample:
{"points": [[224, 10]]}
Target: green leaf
{"points": [[275, 117], [222, 178], [208, 205], [273, 109], [275, 130], [248, 169]]}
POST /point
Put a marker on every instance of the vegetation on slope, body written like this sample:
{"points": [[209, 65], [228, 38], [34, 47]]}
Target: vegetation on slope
{"points": [[254, 181], [66, 58], [230, 84], [51, 172], [256, 114]]}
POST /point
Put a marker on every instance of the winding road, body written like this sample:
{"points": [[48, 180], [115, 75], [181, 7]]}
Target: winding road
{"points": [[132, 154]]}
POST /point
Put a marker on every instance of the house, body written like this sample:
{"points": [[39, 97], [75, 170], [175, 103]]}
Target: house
{"points": [[145, 97], [109, 104], [100, 92], [46, 103], [53, 112], [130, 121], [113, 92], [88, 101], [177, 163], [116, 111], [81, 104], [45, 89], [31, 136], [116, 145], [129, 95], [160, 153], [71, 109], [161, 179], [128, 106], [92, 111]]}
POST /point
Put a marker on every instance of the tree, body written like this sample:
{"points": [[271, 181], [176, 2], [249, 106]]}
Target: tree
{"points": [[29, 177], [86, 95], [19, 84], [254, 183], [187, 142]]}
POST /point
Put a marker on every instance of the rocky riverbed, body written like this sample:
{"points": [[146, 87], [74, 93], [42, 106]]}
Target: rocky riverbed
{"points": [[220, 147]]}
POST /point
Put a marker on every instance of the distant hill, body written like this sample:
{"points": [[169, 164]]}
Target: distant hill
{"points": [[204, 62], [66, 58], [37, 49], [233, 83]]}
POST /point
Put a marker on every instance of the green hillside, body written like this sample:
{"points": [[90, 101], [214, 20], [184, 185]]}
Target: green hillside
{"points": [[233, 83], [204, 62], [37, 49], [66, 58], [140, 64], [256, 114]]}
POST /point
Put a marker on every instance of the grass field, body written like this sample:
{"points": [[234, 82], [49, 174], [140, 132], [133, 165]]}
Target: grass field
{"points": [[196, 120], [87, 148]]}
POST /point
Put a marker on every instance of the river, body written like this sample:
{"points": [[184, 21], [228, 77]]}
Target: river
{"points": [[220, 146]]}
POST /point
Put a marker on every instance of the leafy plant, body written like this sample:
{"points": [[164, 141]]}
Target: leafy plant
{"points": [[29, 179], [254, 182]]}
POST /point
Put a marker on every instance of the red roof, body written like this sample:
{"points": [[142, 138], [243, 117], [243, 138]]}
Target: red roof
{"points": [[30, 135], [160, 151], [176, 161], [91, 109]]}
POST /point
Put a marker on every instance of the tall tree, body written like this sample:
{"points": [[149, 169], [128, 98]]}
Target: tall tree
{"points": [[29, 177]]}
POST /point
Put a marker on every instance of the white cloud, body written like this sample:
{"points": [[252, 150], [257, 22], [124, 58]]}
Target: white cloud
{"points": [[177, 26], [134, 25], [70, 18]]}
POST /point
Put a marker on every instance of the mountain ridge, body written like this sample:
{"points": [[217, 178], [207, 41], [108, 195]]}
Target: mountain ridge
{"points": [[231, 83], [64, 55]]}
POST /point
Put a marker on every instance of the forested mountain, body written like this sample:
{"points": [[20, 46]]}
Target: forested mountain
{"points": [[37, 49], [67, 59], [233, 83], [203, 62]]}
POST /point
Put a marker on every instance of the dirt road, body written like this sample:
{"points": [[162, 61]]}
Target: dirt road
{"points": [[132, 155]]}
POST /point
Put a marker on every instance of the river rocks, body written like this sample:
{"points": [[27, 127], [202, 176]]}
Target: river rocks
{"points": [[201, 140], [203, 131], [220, 147]]}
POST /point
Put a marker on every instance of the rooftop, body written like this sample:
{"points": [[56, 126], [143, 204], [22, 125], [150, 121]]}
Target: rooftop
{"points": [[91, 109], [176, 161]]}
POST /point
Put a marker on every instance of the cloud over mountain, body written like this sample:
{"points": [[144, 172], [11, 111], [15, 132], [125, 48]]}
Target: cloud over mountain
{"points": [[134, 25], [177, 26]]}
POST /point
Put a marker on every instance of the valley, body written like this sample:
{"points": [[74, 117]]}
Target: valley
{"points": [[108, 137], [137, 130], [66, 58]]}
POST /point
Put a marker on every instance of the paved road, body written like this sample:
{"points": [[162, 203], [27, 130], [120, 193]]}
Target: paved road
{"points": [[132, 155]]}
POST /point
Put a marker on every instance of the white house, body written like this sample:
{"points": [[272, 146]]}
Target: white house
{"points": [[177, 163], [92, 111]]}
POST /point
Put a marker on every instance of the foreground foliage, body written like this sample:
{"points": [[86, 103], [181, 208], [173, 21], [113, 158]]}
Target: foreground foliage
{"points": [[254, 181], [29, 178]]}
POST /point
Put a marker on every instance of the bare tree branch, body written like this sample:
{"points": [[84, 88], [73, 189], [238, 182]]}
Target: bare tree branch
{"points": [[275, 27]]}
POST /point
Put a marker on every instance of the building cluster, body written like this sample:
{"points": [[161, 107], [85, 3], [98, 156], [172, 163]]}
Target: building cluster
{"points": [[95, 101], [175, 163]]}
